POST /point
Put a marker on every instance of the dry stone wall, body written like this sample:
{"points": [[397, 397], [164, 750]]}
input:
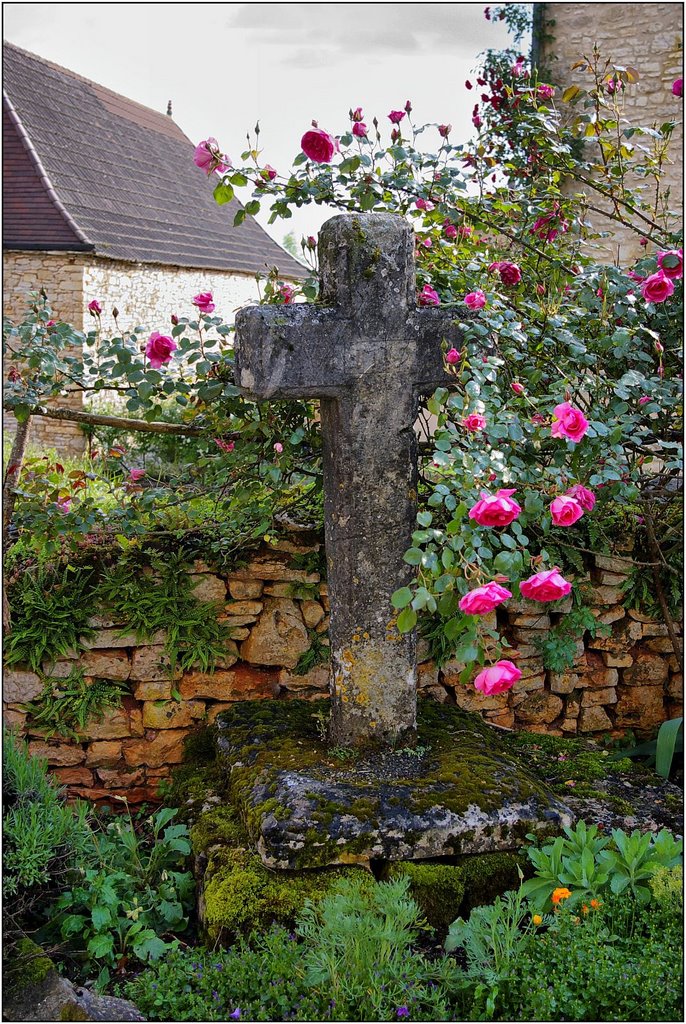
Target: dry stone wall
{"points": [[627, 680]]}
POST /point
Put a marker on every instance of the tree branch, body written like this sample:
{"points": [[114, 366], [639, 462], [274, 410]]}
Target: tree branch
{"points": [[98, 419]]}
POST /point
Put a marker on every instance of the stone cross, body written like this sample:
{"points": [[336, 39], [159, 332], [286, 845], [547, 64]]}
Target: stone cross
{"points": [[366, 352]]}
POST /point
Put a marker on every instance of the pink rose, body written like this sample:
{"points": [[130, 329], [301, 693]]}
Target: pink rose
{"points": [[565, 510], [568, 422], [94, 307], [396, 116], [203, 300], [64, 505], [475, 421], [495, 509], [226, 446], [209, 158], [278, 447], [498, 678], [546, 92], [424, 204], [484, 599], [444, 130], [452, 356], [428, 296], [136, 474], [545, 586], [517, 387], [357, 115], [657, 287], [582, 494], [159, 349], [475, 300], [287, 294], [510, 273], [476, 121], [51, 323], [678, 88], [269, 172], [318, 145], [675, 263], [450, 231], [644, 399], [360, 130]]}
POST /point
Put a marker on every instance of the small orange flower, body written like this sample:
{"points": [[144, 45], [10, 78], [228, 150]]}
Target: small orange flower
{"points": [[584, 908], [595, 904], [560, 894], [537, 919]]}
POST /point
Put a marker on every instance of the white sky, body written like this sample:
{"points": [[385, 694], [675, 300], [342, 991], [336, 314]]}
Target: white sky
{"points": [[227, 65]]}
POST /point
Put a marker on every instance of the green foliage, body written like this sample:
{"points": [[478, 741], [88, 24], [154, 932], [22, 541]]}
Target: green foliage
{"points": [[132, 895], [43, 838], [558, 646], [660, 751], [589, 863], [66, 706], [316, 654], [50, 612]]}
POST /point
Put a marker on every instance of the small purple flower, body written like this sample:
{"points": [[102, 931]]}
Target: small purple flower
{"points": [[215, 994], [236, 1015], [402, 1011]]}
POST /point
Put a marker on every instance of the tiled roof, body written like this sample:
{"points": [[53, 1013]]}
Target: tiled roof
{"points": [[112, 175]]}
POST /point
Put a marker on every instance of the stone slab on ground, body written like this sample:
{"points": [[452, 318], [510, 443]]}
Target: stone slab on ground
{"points": [[305, 805]]}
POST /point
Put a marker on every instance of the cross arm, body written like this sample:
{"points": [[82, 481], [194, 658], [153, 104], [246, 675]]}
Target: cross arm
{"points": [[431, 326], [291, 352]]}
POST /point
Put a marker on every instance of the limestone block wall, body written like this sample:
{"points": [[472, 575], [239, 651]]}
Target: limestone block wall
{"points": [[648, 37], [628, 680]]}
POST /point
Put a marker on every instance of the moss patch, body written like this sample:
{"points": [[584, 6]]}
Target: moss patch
{"points": [[25, 967]]}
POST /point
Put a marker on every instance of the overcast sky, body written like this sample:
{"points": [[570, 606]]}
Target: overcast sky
{"points": [[226, 66]]}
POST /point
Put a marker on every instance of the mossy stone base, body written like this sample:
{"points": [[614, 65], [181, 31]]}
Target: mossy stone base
{"points": [[459, 791]]}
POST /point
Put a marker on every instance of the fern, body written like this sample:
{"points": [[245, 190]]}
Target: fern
{"points": [[66, 706]]}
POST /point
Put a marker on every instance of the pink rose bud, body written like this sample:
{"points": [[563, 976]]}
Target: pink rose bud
{"points": [[657, 287], [444, 130], [360, 130], [159, 349], [174, 320], [428, 296], [357, 114], [225, 446], [475, 421], [278, 447], [565, 510], [94, 307], [269, 172], [209, 158], [424, 204], [408, 107], [396, 116], [311, 242], [476, 121], [287, 294], [468, 85], [517, 387], [644, 399], [582, 494], [475, 300], [548, 585], [452, 356], [484, 599], [659, 347], [51, 323], [546, 92], [538, 420], [427, 243], [678, 88], [136, 474], [203, 300], [568, 422], [643, 242], [498, 678], [450, 231], [319, 146], [497, 509], [671, 263]]}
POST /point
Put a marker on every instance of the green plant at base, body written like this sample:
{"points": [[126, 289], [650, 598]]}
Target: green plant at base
{"points": [[132, 896], [66, 706], [558, 646], [660, 751], [50, 610], [636, 859], [316, 654]]}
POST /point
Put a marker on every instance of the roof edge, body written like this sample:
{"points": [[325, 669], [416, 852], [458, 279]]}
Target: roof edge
{"points": [[49, 187], [47, 247]]}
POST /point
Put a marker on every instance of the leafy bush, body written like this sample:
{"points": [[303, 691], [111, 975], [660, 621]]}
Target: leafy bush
{"points": [[132, 892], [67, 705]]}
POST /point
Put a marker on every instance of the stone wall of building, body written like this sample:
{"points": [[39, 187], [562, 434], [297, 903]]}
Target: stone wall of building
{"points": [[628, 680], [648, 37]]}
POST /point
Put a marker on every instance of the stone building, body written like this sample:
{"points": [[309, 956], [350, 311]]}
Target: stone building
{"points": [[102, 201], [648, 37]]}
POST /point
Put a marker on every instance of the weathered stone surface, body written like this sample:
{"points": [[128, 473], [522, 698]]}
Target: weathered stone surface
{"points": [[469, 699], [244, 682], [57, 753], [274, 569], [165, 747], [622, 638], [610, 579], [13, 719], [539, 708], [230, 656], [244, 608], [596, 674], [106, 638], [236, 621], [505, 719], [438, 693], [539, 621], [151, 664], [639, 707], [60, 669], [465, 793], [427, 675], [622, 566], [55, 998], [160, 689], [76, 776], [639, 616], [655, 629], [528, 683], [317, 678], [675, 686], [594, 719], [617, 660], [109, 664], [208, 588], [606, 695], [569, 725], [312, 613], [647, 670], [659, 644], [171, 714], [279, 638], [117, 723], [239, 633], [564, 682], [609, 615], [120, 778], [278, 589], [245, 590], [104, 752], [323, 628], [604, 595], [20, 687]]}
